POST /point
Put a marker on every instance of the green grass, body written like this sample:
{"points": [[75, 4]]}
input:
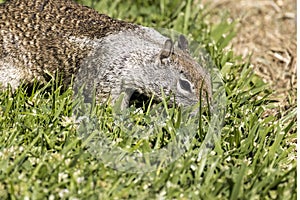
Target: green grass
{"points": [[42, 155]]}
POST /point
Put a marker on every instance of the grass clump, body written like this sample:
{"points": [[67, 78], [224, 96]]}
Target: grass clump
{"points": [[43, 156]]}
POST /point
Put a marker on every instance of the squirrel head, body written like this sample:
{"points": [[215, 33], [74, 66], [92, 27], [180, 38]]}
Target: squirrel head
{"points": [[188, 80], [145, 62]]}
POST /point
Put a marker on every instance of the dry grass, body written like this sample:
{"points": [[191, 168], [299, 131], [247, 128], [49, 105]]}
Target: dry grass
{"points": [[267, 30]]}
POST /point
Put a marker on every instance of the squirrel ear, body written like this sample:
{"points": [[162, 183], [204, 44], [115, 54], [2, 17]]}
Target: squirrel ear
{"points": [[167, 49], [183, 43]]}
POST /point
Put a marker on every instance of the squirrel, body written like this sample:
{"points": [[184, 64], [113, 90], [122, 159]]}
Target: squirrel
{"points": [[42, 37]]}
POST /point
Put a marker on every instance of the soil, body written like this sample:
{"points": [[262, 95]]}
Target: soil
{"points": [[267, 30]]}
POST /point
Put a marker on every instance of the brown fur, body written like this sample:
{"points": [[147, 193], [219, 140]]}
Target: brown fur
{"points": [[31, 28]]}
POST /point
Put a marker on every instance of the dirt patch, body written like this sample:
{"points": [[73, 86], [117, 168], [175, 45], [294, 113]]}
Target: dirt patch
{"points": [[267, 29]]}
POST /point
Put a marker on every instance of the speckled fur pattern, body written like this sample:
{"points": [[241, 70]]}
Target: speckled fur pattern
{"points": [[34, 34]]}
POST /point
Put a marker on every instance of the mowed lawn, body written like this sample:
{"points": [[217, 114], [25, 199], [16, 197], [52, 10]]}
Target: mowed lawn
{"points": [[251, 153]]}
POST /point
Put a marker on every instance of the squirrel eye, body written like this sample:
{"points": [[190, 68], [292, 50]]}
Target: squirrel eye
{"points": [[185, 85]]}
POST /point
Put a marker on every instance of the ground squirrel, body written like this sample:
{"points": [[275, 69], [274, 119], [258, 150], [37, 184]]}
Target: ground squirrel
{"points": [[42, 37]]}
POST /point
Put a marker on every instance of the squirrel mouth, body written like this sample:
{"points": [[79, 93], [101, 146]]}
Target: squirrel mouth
{"points": [[140, 100]]}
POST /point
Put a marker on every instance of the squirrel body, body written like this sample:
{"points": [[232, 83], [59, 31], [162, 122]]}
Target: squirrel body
{"points": [[39, 38]]}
